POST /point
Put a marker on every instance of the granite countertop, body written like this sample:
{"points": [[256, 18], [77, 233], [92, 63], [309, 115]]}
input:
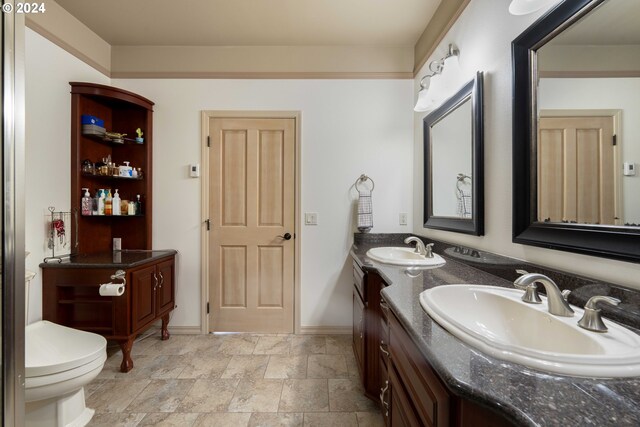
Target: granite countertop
{"points": [[118, 259], [521, 394]]}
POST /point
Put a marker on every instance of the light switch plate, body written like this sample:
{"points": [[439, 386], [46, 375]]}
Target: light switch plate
{"points": [[194, 170], [403, 218], [311, 218]]}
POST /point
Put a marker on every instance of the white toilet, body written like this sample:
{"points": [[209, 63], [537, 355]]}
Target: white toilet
{"points": [[59, 362]]}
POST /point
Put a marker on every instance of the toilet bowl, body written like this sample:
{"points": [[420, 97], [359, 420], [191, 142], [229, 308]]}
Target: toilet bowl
{"points": [[59, 362]]}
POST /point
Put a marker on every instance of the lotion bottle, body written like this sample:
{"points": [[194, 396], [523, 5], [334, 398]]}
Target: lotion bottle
{"points": [[116, 203], [86, 203], [101, 202]]}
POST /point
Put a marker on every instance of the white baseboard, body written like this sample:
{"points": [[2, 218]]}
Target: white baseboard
{"points": [[326, 330]]}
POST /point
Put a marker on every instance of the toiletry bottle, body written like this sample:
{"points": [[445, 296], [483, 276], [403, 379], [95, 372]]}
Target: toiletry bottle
{"points": [[138, 205], [101, 202], [134, 173], [131, 209], [108, 204], [86, 203], [116, 203]]}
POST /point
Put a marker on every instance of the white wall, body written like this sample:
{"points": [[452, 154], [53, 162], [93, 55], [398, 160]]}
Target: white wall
{"points": [[49, 69], [349, 127], [487, 48], [610, 94]]}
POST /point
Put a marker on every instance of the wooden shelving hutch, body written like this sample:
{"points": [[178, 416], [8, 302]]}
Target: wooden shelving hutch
{"points": [[123, 112]]}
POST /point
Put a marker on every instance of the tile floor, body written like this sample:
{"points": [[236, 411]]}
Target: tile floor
{"points": [[234, 380]]}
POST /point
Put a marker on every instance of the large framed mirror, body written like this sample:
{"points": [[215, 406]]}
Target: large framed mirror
{"points": [[576, 138], [453, 162]]}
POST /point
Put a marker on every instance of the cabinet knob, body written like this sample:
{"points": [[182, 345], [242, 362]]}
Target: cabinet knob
{"points": [[385, 404], [155, 279], [161, 280]]}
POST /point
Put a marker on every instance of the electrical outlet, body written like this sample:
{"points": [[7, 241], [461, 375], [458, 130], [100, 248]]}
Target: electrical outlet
{"points": [[403, 218], [311, 218]]}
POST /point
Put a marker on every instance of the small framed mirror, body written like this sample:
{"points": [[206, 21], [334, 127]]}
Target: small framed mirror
{"points": [[453, 162]]}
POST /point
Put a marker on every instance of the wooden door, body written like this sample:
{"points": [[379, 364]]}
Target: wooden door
{"points": [[576, 170], [165, 288], [143, 294], [252, 187]]}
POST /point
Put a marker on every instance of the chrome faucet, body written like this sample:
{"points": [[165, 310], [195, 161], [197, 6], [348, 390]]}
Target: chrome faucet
{"points": [[556, 300], [421, 249]]}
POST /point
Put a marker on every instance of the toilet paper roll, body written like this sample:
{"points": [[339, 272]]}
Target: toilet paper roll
{"points": [[111, 290]]}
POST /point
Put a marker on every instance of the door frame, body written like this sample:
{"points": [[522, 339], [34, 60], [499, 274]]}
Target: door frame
{"points": [[616, 114], [206, 115]]}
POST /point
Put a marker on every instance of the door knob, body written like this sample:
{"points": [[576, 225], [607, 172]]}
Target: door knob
{"points": [[287, 236]]}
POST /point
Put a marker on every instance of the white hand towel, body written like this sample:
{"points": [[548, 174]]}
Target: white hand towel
{"points": [[365, 211]]}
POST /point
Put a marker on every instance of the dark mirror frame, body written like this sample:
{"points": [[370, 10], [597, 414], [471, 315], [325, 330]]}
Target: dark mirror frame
{"points": [[602, 241], [474, 225]]}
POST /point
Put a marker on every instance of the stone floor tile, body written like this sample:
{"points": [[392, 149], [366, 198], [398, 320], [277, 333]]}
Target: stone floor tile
{"points": [[256, 395], [209, 396], [348, 395], [330, 419], [119, 419], [267, 419], [116, 394], [370, 419], [246, 366], [238, 344], [169, 419], [303, 395], [287, 367], [161, 396], [308, 344], [273, 345], [327, 366], [176, 345], [204, 366], [339, 344], [223, 419]]}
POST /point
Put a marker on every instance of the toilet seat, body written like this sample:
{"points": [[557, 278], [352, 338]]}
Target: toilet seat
{"points": [[54, 349]]}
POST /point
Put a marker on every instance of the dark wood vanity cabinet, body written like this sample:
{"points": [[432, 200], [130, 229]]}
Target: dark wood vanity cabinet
{"points": [[152, 293], [70, 296]]}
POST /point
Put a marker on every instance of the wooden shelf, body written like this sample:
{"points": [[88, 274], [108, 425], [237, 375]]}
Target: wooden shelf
{"points": [[86, 301], [112, 216], [110, 177], [102, 140]]}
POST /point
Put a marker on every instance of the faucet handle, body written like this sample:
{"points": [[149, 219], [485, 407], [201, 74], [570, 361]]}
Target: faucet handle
{"points": [[530, 290], [565, 294], [428, 250], [592, 320]]}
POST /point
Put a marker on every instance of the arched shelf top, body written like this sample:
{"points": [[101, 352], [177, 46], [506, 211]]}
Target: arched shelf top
{"points": [[110, 93]]}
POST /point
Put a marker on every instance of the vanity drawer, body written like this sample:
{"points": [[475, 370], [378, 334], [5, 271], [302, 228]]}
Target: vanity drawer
{"points": [[358, 281], [429, 397]]}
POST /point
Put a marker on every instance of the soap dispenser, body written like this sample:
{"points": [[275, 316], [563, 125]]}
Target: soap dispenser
{"points": [[100, 202], [86, 203], [116, 203]]}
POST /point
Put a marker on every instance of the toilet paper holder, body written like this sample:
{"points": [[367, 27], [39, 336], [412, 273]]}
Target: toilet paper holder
{"points": [[114, 289], [120, 275]]}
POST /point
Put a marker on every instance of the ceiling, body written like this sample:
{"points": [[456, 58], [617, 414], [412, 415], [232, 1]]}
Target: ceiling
{"points": [[255, 22]]}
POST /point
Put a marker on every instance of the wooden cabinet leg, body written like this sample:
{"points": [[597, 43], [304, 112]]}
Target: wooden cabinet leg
{"points": [[125, 346], [165, 324]]}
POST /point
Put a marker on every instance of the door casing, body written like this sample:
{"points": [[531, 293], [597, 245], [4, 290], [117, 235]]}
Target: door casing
{"points": [[205, 214]]}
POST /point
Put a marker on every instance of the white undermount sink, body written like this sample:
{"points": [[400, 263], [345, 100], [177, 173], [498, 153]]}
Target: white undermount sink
{"points": [[496, 321], [404, 256]]}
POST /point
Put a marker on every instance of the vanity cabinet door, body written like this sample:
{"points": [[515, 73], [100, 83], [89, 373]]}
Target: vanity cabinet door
{"points": [[143, 298], [358, 330], [166, 290]]}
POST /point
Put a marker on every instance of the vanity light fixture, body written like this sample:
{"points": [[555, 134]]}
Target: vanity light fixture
{"points": [[525, 7], [429, 96]]}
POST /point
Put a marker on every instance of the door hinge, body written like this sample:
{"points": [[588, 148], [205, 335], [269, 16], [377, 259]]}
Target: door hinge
{"points": [[208, 141], [615, 139], [208, 222], [207, 307]]}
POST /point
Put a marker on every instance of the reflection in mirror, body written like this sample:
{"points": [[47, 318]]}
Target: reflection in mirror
{"points": [[587, 100], [576, 137], [453, 162]]}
